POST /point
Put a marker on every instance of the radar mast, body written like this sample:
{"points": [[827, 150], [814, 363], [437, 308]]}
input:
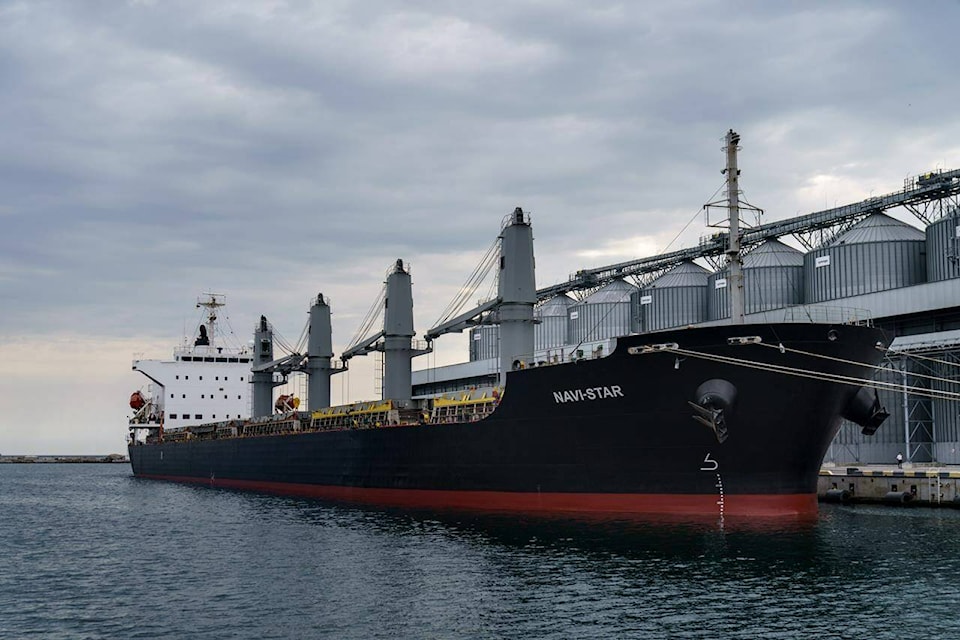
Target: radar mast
{"points": [[211, 303]]}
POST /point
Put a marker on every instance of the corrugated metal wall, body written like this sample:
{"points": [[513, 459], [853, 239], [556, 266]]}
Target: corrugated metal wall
{"points": [[876, 254], [604, 314], [765, 288], [772, 279], [841, 271], [675, 299], [946, 413], [485, 342], [943, 248], [553, 330], [851, 445]]}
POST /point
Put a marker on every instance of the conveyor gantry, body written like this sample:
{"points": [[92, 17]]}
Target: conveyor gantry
{"points": [[919, 190]]}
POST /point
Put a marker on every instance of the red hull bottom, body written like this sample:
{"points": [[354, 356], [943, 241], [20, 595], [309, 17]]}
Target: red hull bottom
{"points": [[756, 505]]}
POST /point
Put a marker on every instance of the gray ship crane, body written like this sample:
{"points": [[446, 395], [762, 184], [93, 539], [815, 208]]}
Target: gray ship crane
{"points": [[512, 308], [395, 339], [268, 372], [922, 195]]}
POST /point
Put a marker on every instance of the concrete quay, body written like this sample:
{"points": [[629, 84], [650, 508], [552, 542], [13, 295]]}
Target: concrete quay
{"points": [[925, 485]]}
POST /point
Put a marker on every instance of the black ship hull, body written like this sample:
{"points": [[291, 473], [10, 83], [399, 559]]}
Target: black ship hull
{"points": [[611, 435]]}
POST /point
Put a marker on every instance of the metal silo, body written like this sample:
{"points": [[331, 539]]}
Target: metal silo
{"points": [[876, 254], [772, 279], [485, 342], [675, 299], [943, 247], [552, 332], [603, 314]]}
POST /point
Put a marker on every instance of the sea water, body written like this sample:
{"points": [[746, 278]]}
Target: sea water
{"points": [[88, 551]]}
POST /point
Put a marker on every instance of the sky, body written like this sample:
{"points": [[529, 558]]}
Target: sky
{"points": [[268, 151]]}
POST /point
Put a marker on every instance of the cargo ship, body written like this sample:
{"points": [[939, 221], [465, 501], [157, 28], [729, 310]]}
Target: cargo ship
{"points": [[727, 420]]}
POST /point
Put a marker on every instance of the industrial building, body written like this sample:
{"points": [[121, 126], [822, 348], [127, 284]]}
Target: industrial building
{"points": [[857, 262]]}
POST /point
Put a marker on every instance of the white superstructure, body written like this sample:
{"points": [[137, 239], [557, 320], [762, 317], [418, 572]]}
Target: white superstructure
{"points": [[208, 379]]}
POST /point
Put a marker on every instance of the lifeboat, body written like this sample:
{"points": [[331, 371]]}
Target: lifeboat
{"points": [[137, 401], [287, 403]]}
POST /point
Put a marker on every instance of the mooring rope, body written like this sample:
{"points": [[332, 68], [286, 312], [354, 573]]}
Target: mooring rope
{"points": [[876, 367], [812, 375]]}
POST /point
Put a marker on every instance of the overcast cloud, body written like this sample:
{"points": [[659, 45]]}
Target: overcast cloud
{"points": [[271, 150]]}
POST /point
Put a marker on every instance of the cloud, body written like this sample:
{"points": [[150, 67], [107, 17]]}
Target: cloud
{"points": [[273, 150]]}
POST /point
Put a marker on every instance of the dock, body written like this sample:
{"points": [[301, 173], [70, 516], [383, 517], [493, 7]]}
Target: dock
{"points": [[927, 485]]}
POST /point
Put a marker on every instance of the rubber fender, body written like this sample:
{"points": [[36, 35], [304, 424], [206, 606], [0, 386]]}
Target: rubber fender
{"points": [[717, 394], [865, 410], [837, 495], [898, 497]]}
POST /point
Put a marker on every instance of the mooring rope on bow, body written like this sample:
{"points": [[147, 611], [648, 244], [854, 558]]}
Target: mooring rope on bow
{"points": [[876, 367], [812, 375]]}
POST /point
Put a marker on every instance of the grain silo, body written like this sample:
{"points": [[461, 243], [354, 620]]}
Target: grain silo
{"points": [[603, 314], [943, 247], [876, 254], [552, 330], [772, 279], [485, 342], [675, 299]]}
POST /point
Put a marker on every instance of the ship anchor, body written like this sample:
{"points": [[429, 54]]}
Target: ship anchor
{"points": [[714, 398], [712, 419]]}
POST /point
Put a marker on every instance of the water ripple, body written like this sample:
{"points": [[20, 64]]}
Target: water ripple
{"points": [[91, 552]]}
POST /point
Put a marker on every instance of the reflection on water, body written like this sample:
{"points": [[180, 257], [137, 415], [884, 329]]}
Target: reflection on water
{"points": [[96, 553]]}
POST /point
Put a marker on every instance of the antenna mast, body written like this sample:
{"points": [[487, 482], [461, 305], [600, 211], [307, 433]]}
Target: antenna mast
{"points": [[211, 303], [734, 261]]}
